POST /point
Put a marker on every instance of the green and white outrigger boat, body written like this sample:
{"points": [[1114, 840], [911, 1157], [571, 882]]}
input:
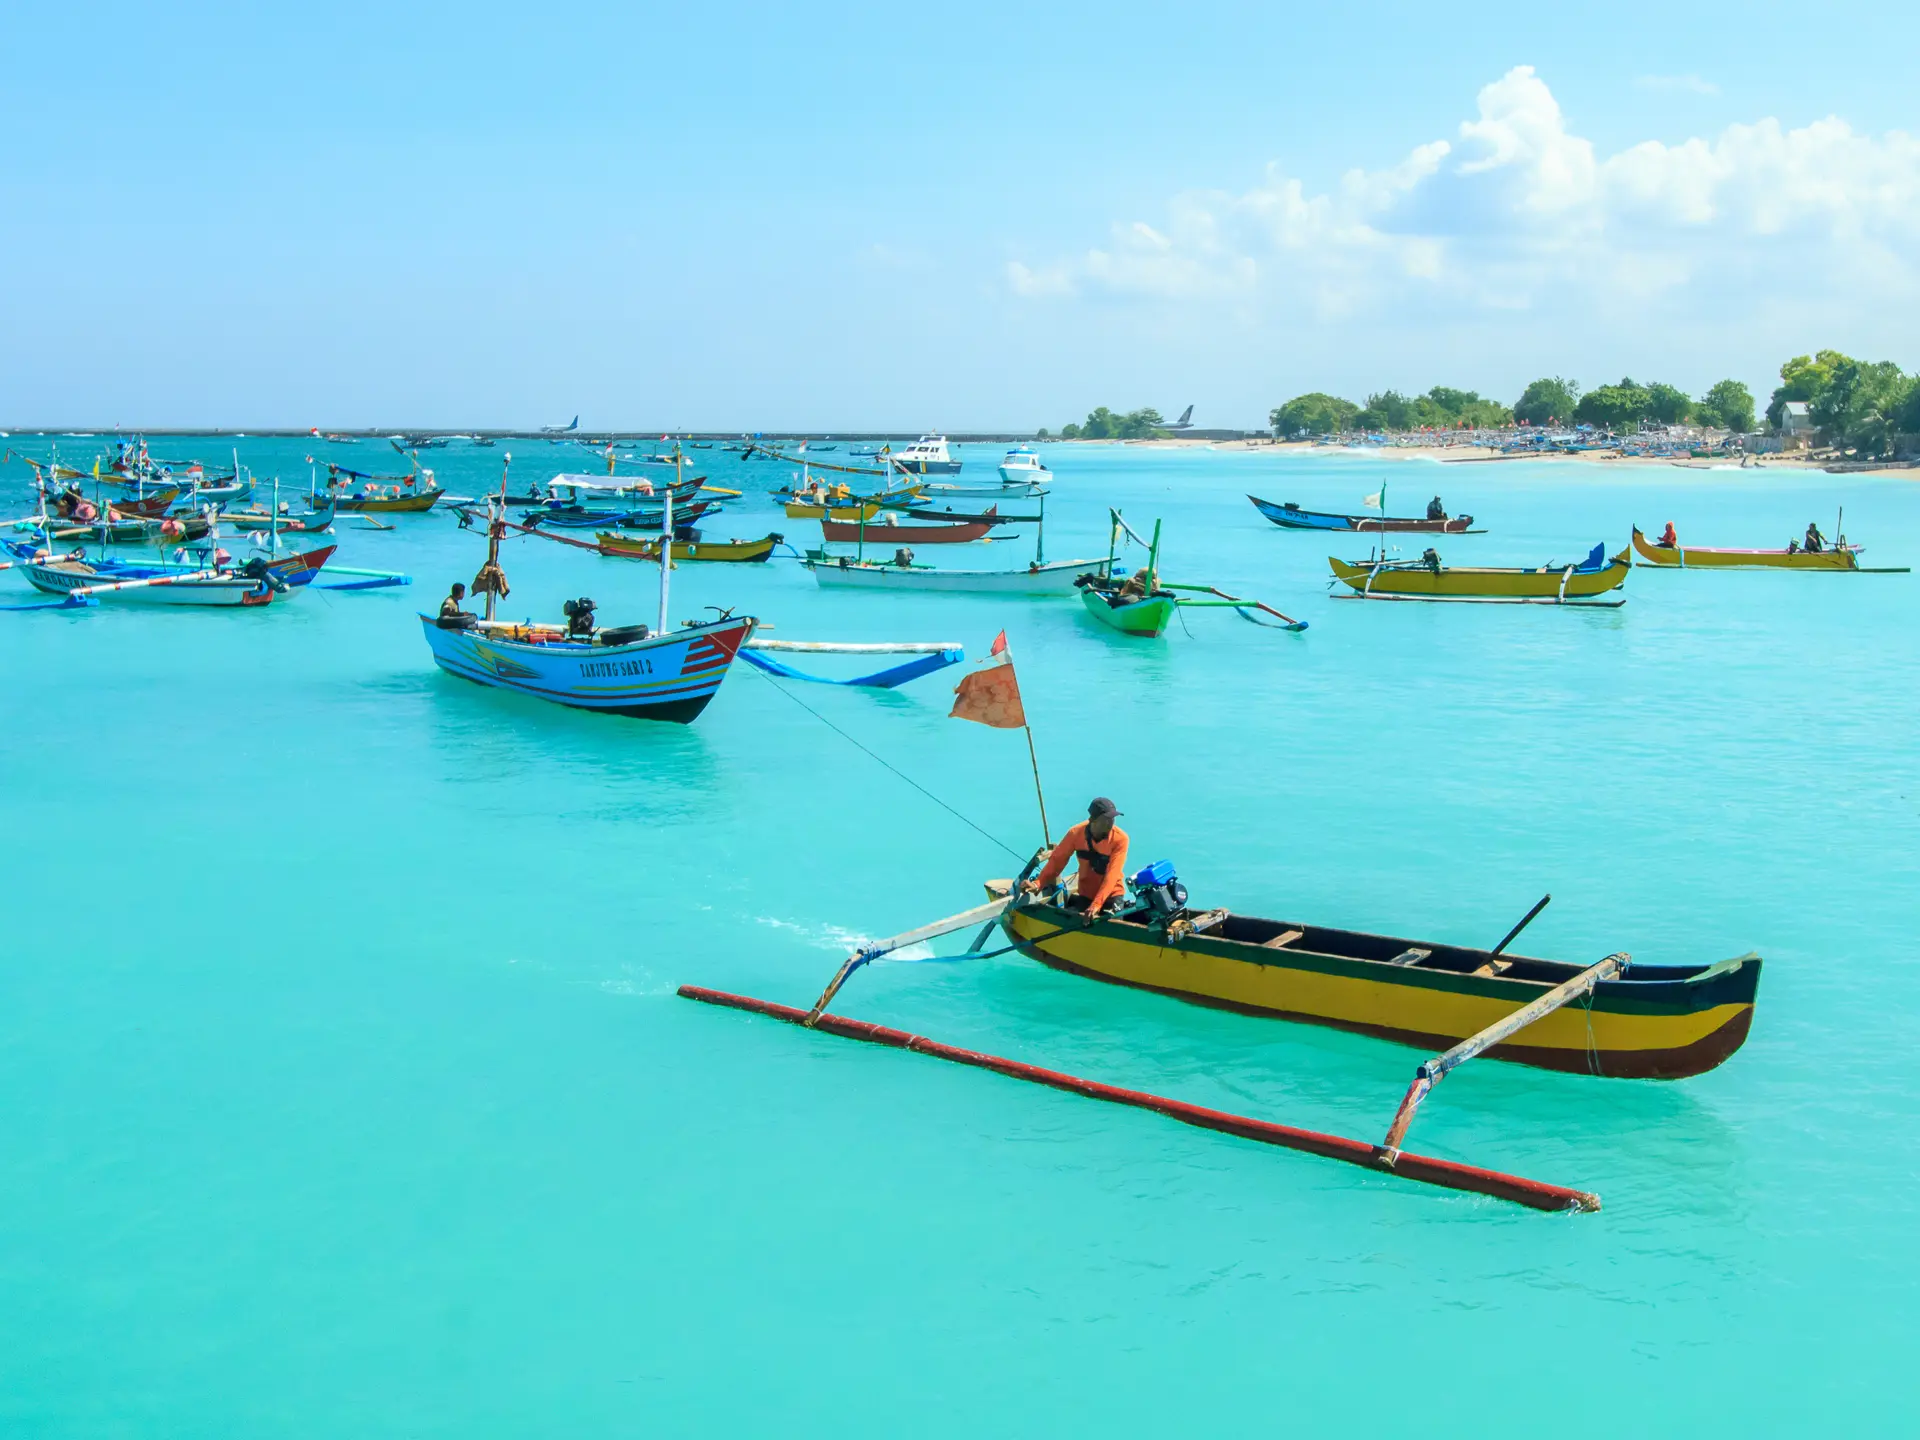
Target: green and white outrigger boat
{"points": [[1148, 607]]}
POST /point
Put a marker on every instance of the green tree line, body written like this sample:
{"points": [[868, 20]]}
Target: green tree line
{"points": [[1858, 405], [1103, 424], [1548, 401]]}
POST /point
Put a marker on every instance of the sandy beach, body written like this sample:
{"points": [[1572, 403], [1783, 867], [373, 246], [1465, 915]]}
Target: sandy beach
{"points": [[1486, 455]]}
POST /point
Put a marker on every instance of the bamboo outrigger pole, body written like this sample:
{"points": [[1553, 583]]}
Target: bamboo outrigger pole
{"points": [[1433, 1071], [868, 953], [1426, 1169]]}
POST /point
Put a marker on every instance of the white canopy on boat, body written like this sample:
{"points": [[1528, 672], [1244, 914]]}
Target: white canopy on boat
{"points": [[612, 484]]}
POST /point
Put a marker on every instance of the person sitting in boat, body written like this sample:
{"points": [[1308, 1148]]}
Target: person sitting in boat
{"points": [[452, 615], [1815, 541], [1431, 559], [903, 557], [1435, 510], [1669, 538], [1101, 848]]}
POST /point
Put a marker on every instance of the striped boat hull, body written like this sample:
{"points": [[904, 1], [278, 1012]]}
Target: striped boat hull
{"points": [[666, 677]]}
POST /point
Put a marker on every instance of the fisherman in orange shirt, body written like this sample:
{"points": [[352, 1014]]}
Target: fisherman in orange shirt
{"points": [[1101, 847]]}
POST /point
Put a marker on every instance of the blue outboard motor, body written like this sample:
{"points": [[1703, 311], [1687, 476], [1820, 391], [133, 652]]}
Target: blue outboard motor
{"points": [[1159, 890]]}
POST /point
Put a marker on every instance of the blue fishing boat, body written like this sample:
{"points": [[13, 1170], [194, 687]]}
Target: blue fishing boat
{"points": [[628, 670], [1291, 517], [656, 673]]}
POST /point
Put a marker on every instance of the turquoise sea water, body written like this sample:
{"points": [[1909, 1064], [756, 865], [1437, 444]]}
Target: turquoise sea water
{"points": [[346, 1091]]}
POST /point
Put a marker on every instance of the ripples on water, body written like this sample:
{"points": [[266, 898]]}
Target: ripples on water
{"points": [[347, 1093]]}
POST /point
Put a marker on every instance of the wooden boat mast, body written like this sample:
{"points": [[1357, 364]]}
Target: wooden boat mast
{"points": [[666, 538]]}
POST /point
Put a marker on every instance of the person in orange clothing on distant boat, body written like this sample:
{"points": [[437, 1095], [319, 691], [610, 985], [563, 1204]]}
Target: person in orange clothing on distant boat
{"points": [[1669, 539], [1101, 848]]}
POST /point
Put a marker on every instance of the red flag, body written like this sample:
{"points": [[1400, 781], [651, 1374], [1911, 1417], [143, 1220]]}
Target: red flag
{"points": [[991, 694]]}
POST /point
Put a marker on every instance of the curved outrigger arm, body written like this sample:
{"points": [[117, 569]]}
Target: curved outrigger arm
{"points": [[878, 949], [987, 916], [1432, 1072]]}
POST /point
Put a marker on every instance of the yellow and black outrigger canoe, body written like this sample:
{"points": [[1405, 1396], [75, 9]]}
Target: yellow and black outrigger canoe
{"points": [[1840, 558], [1581, 584], [1657, 1022]]}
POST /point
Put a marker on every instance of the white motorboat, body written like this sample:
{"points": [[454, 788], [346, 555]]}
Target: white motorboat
{"points": [[1022, 467], [927, 456]]}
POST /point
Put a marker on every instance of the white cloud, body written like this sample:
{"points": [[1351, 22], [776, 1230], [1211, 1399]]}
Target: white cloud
{"points": [[1521, 213], [1687, 84]]}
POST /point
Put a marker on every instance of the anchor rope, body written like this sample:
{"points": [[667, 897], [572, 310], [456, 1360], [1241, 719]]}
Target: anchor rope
{"points": [[879, 760]]}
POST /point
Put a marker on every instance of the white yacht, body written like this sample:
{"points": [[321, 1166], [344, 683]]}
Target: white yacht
{"points": [[927, 456], [1023, 467]]}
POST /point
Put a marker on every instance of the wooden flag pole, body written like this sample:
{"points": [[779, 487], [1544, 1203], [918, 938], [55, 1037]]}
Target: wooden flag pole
{"points": [[1045, 833]]}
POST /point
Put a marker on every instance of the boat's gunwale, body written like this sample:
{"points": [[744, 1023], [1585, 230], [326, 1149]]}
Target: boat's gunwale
{"points": [[1680, 557], [1633, 993]]}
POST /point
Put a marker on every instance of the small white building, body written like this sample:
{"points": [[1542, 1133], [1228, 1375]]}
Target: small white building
{"points": [[1796, 419]]}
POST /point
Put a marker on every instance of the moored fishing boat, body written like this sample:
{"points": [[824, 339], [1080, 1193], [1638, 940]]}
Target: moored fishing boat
{"points": [[1291, 517], [629, 670], [79, 582], [74, 572], [633, 547], [1840, 557], [575, 517], [396, 503], [1146, 612], [856, 532], [1661, 1022], [1428, 579], [990, 516], [846, 572], [1020, 490], [648, 673]]}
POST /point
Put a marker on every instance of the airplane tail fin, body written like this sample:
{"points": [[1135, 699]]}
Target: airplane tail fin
{"points": [[1186, 416]]}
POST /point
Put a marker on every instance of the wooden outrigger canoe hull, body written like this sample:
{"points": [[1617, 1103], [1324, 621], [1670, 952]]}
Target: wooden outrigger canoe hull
{"points": [[1660, 1022], [1147, 616], [662, 677], [1696, 558], [389, 505], [1404, 581], [1058, 578], [809, 510], [739, 551], [1291, 517], [849, 533]]}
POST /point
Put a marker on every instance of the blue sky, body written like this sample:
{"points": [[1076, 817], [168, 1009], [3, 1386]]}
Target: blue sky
{"points": [[854, 216]]}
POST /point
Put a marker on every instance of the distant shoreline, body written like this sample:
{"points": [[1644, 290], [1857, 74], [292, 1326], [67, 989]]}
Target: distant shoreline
{"points": [[1212, 440], [1487, 455]]}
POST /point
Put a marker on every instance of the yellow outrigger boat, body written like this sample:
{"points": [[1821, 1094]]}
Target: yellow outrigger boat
{"points": [[838, 502], [1659, 1022], [1841, 557], [1577, 584], [633, 547]]}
